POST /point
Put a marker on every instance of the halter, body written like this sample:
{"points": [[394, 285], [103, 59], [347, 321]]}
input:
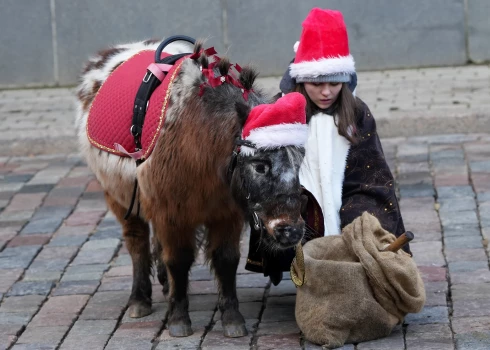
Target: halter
{"points": [[258, 224]]}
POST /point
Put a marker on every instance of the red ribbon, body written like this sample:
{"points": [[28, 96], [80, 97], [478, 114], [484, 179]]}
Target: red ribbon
{"points": [[210, 51]]}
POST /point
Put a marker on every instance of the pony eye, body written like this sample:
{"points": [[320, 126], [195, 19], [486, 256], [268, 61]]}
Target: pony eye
{"points": [[261, 168]]}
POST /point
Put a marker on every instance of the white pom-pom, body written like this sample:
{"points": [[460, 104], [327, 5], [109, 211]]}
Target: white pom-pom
{"points": [[295, 47]]}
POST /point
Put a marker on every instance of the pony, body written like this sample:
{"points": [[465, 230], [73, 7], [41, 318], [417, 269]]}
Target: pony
{"points": [[195, 177]]}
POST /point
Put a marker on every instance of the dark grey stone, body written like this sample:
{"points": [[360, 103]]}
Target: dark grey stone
{"points": [[465, 231], [76, 287], [72, 192], [473, 341], [11, 318], [461, 218], [434, 314], [65, 241], [483, 196], [416, 190], [451, 205], [93, 195], [447, 154], [36, 188], [445, 192], [50, 264], [111, 232], [29, 288], [24, 40], [18, 257], [18, 178], [480, 166], [414, 158], [463, 242], [467, 266], [46, 225]]}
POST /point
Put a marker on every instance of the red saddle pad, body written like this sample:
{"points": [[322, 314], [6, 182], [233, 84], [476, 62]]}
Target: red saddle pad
{"points": [[111, 113]]}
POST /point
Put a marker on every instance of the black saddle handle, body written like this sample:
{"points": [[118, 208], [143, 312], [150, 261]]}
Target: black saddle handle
{"points": [[171, 39]]}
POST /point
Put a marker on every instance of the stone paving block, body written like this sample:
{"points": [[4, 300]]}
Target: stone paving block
{"points": [[215, 340], [43, 335], [471, 308], [252, 281], [68, 241], [17, 215], [84, 218], [278, 314], [120, 271], [138, 330], [455, 192], [284, 327], [203, 287], [8, 278], [84, 272], [483, 196], [40, 188], [92, 341], [463, 242], [14, 318], [24, 201], [433, 273], [101, 244], [33, 275], [35, 240], [432, 314], [70, 231], [429, 337], [283, 341], [114, 233], [105, 306], [49, 253], [46, 225], [76, 287], [462, 231], [53, 320], [453, 255], [90, 327], [392, 342], [286, 287], [34, 346], [480, 166], [416, 190], [462, 218], [427, 253], [31, 288], [467, 266], [97, 256], [451, 180], [471, 324], [204, 302], [28, 304], [473, 341], [116, 284], [18, 257], [158, 312], [470, 291]]}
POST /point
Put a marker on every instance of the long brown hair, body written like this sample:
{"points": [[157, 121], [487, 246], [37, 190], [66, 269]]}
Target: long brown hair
{"points": [[345, 107]]}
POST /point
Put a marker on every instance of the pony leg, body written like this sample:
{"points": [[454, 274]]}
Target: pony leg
{"points": [[178, 245], [224, 253], [136, 234], [161, 268]]}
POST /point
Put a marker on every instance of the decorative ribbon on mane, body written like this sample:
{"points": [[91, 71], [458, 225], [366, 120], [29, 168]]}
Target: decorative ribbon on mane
{"points": [[213, 80]]}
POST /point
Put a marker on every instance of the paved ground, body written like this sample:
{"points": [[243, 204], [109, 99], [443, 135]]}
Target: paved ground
{"points": [[65, 274]]}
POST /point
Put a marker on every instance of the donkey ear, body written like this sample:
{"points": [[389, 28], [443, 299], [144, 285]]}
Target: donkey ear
{"points": [[242, 110]]}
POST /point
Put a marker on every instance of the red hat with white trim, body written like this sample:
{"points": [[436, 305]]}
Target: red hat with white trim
{"points": [[279, 124], [322, 54]]}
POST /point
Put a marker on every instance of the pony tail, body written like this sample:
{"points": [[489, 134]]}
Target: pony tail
{"points": [[247, 77], [198, 46], [224, 66]]}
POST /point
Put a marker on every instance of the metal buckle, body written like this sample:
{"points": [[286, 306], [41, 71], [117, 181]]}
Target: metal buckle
{"points": [[131, 131], [256, 221], [147, 76]]}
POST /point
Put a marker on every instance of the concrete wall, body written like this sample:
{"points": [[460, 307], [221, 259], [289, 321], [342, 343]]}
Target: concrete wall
{"points": [[48, 40]]}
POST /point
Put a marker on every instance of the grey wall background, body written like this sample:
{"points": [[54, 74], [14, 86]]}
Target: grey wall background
{"points": [[45, 42]]}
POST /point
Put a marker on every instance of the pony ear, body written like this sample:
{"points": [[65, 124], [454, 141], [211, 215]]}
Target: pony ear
{"points": [[242, 110]]}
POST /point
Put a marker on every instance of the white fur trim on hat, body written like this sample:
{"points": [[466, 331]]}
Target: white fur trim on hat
{"points": [[295, 47], [324, 66], [275, 136]]}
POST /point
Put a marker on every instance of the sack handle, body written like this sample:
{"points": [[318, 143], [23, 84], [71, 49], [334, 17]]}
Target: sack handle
{"points": [[399, 242], [297, 269]]}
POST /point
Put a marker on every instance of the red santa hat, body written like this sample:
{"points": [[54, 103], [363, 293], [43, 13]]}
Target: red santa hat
{"points": [[280, 124], [322, 54]]}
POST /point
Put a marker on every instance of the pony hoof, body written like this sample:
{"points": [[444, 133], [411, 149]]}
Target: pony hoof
{"points": [[234, 330], [180, 330], [138, 310]]}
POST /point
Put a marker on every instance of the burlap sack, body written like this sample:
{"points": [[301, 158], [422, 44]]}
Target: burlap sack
{"points": [[351, 291]]}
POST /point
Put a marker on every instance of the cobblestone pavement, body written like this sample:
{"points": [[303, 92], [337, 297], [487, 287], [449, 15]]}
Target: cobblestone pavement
{"points": [[65, 274]]}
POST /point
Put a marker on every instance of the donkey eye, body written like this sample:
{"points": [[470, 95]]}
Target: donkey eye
{"points": [[261, 168]]}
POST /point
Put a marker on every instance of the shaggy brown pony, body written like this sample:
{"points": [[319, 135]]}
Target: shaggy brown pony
{"points": [[184, 185]]}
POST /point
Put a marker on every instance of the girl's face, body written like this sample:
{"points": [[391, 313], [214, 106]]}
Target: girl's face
{"points": [[323, 94]]}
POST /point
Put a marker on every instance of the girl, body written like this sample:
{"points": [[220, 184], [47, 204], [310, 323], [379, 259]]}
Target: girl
{"points": [[344, 172]]}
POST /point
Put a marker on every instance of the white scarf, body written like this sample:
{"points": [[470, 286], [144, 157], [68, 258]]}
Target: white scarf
{"points": [[322, 170]]}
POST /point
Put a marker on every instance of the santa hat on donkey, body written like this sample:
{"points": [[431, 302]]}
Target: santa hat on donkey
{"points": [[322, 54], [280, 124]]}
